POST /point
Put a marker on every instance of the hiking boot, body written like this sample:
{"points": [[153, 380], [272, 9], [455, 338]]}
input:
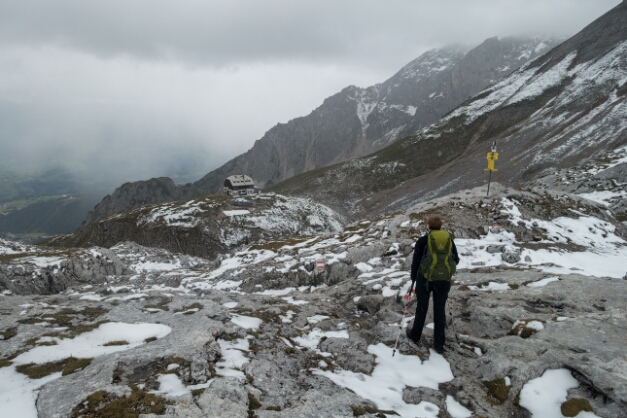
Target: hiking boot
{"points": [[439, 350], [408, 333]]}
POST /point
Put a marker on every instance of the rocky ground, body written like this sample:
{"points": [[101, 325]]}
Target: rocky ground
{"points": [[207, 226], [536, 323]]}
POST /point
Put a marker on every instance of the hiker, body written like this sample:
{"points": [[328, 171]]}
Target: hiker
{"points": [[438, 280]]}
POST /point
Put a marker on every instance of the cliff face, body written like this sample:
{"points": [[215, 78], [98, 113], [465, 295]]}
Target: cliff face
{"points": [[359, 121], [132, 195]]}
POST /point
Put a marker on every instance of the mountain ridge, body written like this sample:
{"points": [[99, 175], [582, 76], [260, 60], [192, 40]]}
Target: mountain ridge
{"points": [[545, 116], [356, 121]]}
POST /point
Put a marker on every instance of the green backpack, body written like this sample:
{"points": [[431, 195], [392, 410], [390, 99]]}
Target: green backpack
{"points": [[437, 262]]}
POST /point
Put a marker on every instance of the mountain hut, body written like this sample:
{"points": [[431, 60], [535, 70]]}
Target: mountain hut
{"points": [[239, 185]]}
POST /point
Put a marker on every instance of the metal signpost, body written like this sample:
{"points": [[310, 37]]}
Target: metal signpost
{"points": [[492, 157]]}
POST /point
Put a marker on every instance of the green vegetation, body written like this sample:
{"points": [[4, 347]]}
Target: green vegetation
{"points": [[66, 366], [162, 365], [30, 321], [197, 392], [6, 361], [31, 184], [517, 399], [43, 343], [253, 403], [266, 315], [66, 318], [177, 360], [9, 333], [498, 391], [315, 280], [273, 408], [45, 202], [116, 342], [522, 330], [75, 364], [102, 404], [329, 364], [7, 258], [162, 304], [278, 244], [187, 310], [359, 410], [150, 339], [574, 406], [9, 207], [92, 313], [45, 216], [81, 329]]}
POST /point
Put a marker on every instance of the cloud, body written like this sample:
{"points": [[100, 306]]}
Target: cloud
{"points": [[235, 32], [148, 88], [145, 118]]}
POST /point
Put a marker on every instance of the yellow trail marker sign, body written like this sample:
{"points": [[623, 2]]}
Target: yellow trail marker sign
{"points": [[492, 157]]}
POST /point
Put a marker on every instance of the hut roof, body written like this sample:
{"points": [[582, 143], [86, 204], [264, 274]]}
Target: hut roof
{"points": [[241, 180]]}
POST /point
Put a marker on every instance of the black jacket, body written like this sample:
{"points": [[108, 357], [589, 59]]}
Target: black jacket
{"points": [[419, 250]]}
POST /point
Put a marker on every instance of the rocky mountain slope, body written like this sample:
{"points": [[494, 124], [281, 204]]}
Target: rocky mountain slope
{"points": [[536, 321], [207, 226], [563, 110], [359, 121], [354, 122]]}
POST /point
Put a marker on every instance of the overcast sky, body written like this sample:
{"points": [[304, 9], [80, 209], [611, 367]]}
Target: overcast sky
{"points": [[146, 88]]}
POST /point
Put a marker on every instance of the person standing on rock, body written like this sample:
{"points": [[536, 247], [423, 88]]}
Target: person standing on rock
{"points": [[434, 263]]}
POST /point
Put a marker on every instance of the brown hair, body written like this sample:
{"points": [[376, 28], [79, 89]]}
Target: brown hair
{"points": [[434, 222]]}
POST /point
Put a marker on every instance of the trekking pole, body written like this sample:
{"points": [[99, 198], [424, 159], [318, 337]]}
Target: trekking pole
{"points": [[450, 313], [407, 299]]}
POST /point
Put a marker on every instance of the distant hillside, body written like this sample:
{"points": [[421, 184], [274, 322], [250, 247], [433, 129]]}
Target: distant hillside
{"points": [[57, 215], [45, 202], [49, 182], [563, 110]]}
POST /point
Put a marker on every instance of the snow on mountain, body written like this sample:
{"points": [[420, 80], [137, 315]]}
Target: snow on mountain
{"points": [[598, 253], [608, 73], [601, 180], [19, 391], [208, 226], [559, 112]]}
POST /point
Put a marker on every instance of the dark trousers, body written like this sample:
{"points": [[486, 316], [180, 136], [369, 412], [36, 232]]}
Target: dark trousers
{"points": [[440, 290]]}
